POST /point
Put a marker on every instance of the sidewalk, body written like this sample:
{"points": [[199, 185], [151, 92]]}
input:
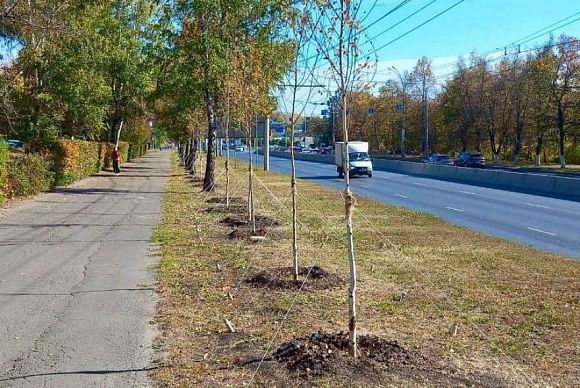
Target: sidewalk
{"points": [[76, 297]]}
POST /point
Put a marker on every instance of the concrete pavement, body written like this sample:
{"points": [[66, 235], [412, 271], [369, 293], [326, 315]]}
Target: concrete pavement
{"points": [[545, 223], [76, 297]]}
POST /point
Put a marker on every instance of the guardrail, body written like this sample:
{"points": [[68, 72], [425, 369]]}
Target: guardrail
{"points": [[543, 184]]}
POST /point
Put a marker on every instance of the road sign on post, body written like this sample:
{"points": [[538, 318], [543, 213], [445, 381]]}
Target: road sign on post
{"points": [[400, 108], [371, 111]]}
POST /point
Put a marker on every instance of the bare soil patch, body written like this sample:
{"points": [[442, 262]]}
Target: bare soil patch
{"points": [[328, 354], [322, 353], [311, 278], [261, 221]]}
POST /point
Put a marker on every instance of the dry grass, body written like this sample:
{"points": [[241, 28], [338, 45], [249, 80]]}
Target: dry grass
{"points": [[491, 311]]}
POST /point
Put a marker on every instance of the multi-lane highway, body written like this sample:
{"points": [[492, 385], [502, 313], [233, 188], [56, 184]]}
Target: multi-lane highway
{"points": [[545, 223]]}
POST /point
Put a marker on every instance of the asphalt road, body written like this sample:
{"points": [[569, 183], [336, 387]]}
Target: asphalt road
{"points": [[545, 223], [75, 282]]}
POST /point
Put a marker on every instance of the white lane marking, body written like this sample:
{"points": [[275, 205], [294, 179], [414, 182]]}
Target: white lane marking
{"points": [[541, 231], [401, 196], [419, 184], [454, 209], [467, 192], [536, 205], [365, 186]]}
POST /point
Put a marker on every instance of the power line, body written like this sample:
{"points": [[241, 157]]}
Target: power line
{"points": [[520, 41], [419, 26], [391, 11], [552, 30], [534, 35], [400, 5], [399, 22]]}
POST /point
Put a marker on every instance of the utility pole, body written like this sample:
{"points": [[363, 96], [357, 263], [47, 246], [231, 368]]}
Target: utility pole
{"points": [[425, 118], [404, 109], [267, 144]]}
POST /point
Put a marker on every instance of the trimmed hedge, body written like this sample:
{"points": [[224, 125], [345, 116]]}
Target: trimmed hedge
{"points": [[27, 174], [573, 155], [136, 151], [4, 155], [77, 159]]}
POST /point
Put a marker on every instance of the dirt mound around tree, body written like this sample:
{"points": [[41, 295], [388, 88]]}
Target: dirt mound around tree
{"points": [[321, 353], [262, 222], [282, 278], [328, 354]]}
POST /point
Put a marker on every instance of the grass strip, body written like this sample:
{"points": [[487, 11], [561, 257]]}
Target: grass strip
{"points": [[490, 311]]}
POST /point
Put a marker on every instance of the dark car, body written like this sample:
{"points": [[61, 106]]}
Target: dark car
{"points": [[440, 159], [470, 159]]}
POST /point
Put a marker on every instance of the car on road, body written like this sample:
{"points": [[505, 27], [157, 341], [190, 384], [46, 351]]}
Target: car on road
{"points": [[470, 159], [442, 159], [239, 148]]}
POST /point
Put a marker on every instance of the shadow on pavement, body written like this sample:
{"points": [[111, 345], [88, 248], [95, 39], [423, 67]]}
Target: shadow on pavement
{"points": [[80, 372], [73, 293]]}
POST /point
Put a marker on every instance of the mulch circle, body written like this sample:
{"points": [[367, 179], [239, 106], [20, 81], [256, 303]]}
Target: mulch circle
{"points": [[379, 360], [282, 278], [262, 222], [322, 353], [235, 221]]}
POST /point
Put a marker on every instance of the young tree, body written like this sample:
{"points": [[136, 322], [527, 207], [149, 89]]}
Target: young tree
{"points": [[422, 83], [303, 62], [337, 34]]}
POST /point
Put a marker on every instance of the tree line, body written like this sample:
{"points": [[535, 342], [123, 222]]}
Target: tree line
{"points": [[523, 108]]}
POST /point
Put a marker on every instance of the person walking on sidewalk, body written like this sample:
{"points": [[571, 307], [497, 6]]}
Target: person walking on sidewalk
{"points": [[116, 156]]}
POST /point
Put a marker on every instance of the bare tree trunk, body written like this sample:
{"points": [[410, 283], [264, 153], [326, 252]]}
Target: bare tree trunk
{"points": [[118, 137], [562, 136], [349, 202], [193, 156], [209, 178], [294, 192]]}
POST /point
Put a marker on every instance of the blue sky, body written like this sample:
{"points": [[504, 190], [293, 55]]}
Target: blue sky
{"points": [[474, 25]]}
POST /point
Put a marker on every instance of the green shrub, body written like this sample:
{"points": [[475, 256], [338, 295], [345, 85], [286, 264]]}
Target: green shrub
{"points": [[71, 160], [27, 174], [573, 155], [124, 150], [4, 154], [136, 150], [77, 159]]}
